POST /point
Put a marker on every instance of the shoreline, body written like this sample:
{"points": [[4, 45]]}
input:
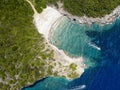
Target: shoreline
{"points": [[66, 61], [48, 17], [107, 19], [44, 22]]}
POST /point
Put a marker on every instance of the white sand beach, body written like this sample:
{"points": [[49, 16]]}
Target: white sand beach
{"points": [[43, 23], [45, 20], [66, 61]]}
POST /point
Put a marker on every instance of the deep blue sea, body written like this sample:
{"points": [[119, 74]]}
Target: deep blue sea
{"points": [[100, 48]]}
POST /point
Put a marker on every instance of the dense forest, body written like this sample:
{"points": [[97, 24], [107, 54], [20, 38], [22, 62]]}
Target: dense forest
{"points": [[41, 4], [21, 44], [90, 8]]}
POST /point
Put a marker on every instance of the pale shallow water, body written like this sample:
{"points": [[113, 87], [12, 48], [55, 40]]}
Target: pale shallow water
{"points": [[83, 40], [77, 40]]}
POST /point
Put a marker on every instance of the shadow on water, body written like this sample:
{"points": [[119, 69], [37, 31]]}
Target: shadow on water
{"points": [[106, 75], [34, 84]]}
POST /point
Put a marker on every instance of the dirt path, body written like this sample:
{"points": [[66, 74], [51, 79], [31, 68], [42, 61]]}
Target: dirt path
{"points": [[35, 11]]}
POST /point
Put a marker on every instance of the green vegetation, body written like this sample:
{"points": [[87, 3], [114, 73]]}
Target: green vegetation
{"points": [[23, 56], [91, 8], [73, 66], [73, 75], [41, 4]]}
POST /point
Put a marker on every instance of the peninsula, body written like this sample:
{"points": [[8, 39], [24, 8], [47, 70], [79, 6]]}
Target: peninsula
{"points": [[26, 53]]}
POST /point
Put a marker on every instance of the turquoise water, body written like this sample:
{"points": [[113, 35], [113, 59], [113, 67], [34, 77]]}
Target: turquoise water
{"points": [[78, 40], [75, 40], [51, 83]]}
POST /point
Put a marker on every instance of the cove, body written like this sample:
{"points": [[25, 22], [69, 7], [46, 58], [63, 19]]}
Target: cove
{"points": [[78, 40], [81, 40]]}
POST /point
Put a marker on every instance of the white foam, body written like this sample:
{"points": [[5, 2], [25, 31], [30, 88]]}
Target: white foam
{"points": [[94, 46], [81, 87]]}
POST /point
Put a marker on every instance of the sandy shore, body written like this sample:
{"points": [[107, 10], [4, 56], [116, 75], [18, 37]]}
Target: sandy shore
{"points": [[43, 23], [66, 60], [107, 19], [45, 20]]}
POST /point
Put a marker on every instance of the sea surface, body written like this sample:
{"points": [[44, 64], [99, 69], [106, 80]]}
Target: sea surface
{"points": [[100, 48]]}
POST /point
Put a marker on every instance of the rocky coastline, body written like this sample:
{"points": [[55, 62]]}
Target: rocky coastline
{"points": [[107, 19]]}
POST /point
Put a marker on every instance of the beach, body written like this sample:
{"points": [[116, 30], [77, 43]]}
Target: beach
{"points": [[102, 50], [43, 22], [46, 19]]}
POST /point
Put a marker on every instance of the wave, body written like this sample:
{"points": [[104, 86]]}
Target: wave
{"points": [[81, 87], [94, 46]]}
